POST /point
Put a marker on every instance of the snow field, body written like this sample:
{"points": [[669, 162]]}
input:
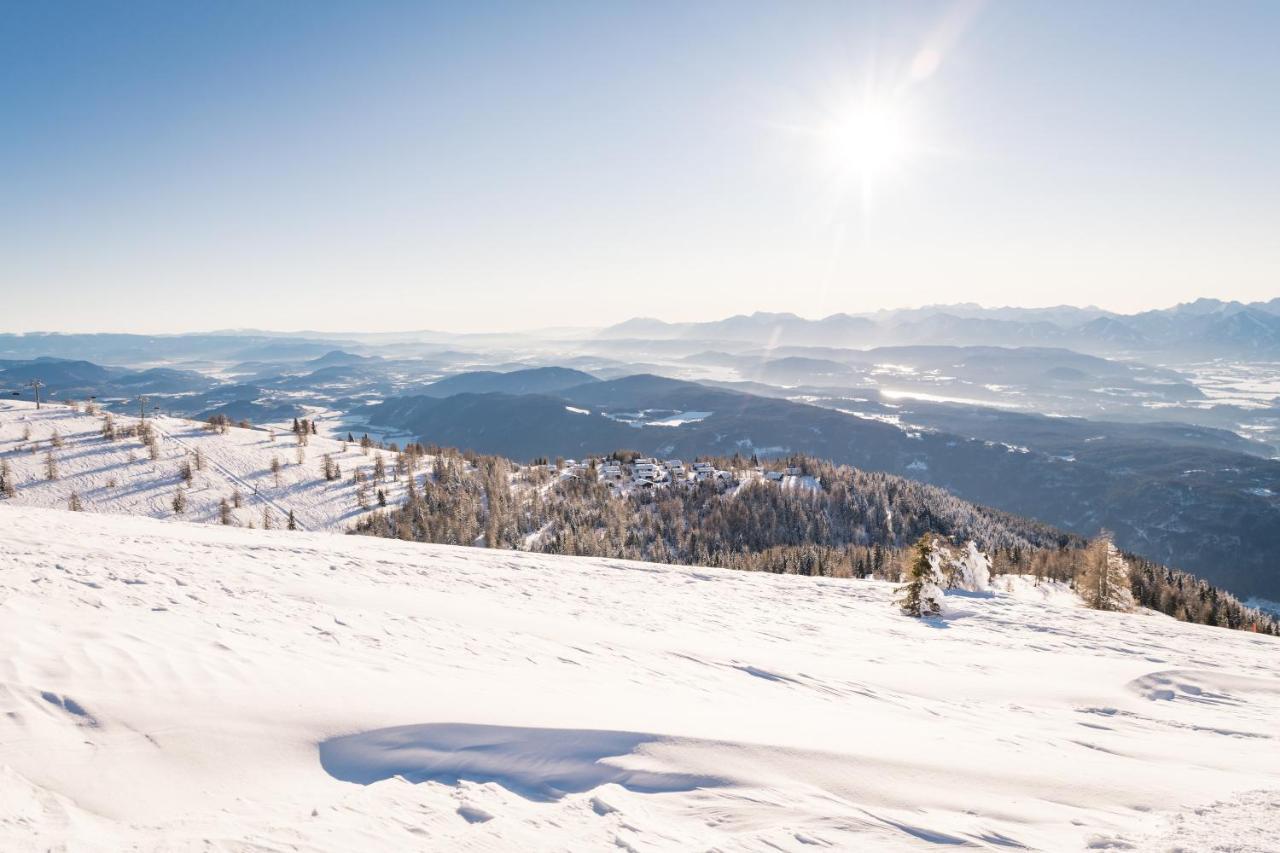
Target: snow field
{"points": [[182, 687]]}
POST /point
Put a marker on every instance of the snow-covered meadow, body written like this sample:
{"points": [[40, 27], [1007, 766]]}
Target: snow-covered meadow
{"points": [[171, 686], [120, 477]]}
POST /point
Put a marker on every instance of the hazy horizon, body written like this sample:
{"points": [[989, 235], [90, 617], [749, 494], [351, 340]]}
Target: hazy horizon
{"points": [[515, 330]]}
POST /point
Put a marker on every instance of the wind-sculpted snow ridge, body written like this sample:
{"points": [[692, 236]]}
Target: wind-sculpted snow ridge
{"points": [[170, 686]]}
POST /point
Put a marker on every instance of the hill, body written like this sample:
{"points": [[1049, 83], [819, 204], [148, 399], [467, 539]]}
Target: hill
{"points": [[534, 380], [173, 686], [118, 476]]}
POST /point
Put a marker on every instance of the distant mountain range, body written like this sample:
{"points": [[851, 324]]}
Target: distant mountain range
{"points": [[1206, 327]]}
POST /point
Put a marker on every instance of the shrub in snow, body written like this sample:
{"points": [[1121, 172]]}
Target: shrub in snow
{"points": [[922, 593]]}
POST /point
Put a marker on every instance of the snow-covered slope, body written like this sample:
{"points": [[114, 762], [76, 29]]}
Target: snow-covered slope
{"points": [[169, 686], [120, 477]]}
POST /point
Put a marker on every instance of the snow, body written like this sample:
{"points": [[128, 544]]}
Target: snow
{"points": [[680, 419], [238, 460], [1041, 590], [177, 686]]}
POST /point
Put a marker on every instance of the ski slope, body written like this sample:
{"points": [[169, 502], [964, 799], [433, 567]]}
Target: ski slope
{"points": [[176, 686], [120, 477]]}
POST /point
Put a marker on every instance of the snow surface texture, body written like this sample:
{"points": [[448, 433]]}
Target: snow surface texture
{"points": [[168, 686], [120, 477]]}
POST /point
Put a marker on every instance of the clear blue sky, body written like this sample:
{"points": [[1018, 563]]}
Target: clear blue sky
{"points": [[171, 166]]}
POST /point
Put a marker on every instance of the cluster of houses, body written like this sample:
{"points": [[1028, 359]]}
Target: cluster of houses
{"points": [[649, 473], [644, 473]]}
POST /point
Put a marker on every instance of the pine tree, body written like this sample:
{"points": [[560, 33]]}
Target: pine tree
{"points": [[8, 482], [268, 522], [50, 466], [922, 594], [275, 470], [293, 523], [74, 504], [180, 502]]}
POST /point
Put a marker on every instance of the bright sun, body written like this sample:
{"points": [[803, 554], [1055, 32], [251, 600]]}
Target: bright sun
{"points": [[866, 141]]}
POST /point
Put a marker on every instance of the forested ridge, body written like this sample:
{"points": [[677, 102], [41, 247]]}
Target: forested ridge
{"points": [[844, 523]]}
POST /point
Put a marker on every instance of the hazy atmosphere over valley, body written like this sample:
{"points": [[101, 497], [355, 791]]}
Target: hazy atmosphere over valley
{"points": [[728, 426]]}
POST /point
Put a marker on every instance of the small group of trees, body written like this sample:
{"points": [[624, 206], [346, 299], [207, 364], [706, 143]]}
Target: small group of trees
{"points": [[936, 567], [330, 468], [218, 423], [303, 430]]}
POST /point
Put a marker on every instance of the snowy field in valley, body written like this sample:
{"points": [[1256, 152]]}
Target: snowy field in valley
{"points": [[170, 686], [120, 477]]}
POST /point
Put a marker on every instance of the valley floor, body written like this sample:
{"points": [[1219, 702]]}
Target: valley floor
{"points": [[170, 686]]}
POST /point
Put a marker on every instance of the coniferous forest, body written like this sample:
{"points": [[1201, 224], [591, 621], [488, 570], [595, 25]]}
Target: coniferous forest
{"points": [[845, 523]]}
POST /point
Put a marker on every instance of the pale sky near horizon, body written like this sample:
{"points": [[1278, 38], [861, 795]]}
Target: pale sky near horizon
{"points": [[175, 166]]}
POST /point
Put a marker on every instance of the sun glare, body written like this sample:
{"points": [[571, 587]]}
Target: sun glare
{"points": [[866, 141]]}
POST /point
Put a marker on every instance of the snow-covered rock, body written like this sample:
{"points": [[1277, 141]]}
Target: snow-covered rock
{"points": [[171, 686]]}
